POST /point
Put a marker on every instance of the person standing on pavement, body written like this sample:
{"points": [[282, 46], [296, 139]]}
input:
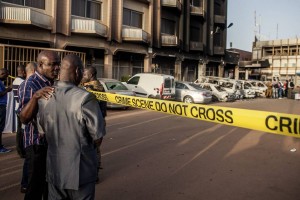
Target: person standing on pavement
{"points": [[37, 86], [30, 70], [89, 81], [3, 103], [15, 87], [275, 88], [290, 88], [73, 124]]}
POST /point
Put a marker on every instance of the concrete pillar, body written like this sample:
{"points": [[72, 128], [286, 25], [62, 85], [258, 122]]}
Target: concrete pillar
{"points": [[246, 74], [236, 72], [108, 65], [220, 70], [147, 63], [177, 74], [201, 70], [185, 73]]}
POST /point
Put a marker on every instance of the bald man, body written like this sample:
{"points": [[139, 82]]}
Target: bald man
{"points": [[73, 124], [30, 69], [31, 90]]}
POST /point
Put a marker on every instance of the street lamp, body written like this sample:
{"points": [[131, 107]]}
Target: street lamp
{"points": [[218, 29]]}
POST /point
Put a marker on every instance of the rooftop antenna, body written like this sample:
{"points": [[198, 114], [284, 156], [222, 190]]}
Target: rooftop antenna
{"points": [[277, 32]]}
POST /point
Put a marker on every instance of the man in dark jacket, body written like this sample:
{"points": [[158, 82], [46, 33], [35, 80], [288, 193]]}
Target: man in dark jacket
{"points": [[89, 81]]}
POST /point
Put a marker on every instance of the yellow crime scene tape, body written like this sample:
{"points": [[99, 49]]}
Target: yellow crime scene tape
{"points": [[271, 122]]}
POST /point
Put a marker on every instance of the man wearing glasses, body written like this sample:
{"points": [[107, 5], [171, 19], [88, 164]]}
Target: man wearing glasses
{"points": [[30, 91]]}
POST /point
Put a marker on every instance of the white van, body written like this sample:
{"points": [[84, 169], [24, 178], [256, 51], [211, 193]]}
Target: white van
{"points": [[159, 86]]}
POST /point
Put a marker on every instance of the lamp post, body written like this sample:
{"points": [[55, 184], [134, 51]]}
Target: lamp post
{"points": [[219, 28]]}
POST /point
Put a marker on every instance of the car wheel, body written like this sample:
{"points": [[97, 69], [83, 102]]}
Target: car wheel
{"points": [[214, 98], [188, 99], [151, 96]]}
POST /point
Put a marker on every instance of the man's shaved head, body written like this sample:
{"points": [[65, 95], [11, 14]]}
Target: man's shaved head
{"points": [[71, 69], [30, 68]]}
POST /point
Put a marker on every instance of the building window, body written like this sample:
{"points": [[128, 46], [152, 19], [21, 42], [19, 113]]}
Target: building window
{"points": [[196, 34], [30, 3], [196, 3], [87, 8], [168, 26], [132, 18], [218, 7]]}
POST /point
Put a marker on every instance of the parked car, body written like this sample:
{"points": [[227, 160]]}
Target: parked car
{"points": [[248, 91], [191, 93], [259, 87], [115, 87], [233, 87], [159, 86], [218, 93]]}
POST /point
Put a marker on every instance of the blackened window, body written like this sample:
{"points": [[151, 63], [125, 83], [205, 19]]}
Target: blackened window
{"points": [[30, 3], [218, 7], [168, 26], [196, 3], [87, 8], [132, 18], [196, 35]]}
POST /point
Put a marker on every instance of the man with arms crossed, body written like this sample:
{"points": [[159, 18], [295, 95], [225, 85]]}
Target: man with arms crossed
{"points": [[30, 91], [73, 124]]}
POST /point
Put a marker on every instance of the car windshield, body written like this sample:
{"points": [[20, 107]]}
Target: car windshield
{"points": [[195, 86], [247, 85], [168, 83], [115, 86], [219, 88], [227, 84]]}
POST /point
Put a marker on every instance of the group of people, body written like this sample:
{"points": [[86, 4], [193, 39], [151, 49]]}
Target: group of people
{"points": [[61, 127], [278, 90]]}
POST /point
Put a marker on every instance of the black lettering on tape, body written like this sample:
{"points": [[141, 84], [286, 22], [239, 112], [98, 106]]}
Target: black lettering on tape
{"points": [[296, 126], [285, 122], [210, 114], [194, 108], [228, 115], [164, 107], [123, 100], [268, 123], [219, 114], [201, 112]]}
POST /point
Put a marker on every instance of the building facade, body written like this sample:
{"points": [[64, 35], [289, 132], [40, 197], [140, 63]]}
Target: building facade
{"points": [[184, 38], [282, 58]]}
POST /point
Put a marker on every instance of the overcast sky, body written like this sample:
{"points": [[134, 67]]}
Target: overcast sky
{"points": [[269, 14]]}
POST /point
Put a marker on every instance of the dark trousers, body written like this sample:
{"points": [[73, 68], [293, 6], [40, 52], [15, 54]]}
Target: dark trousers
{"points": [[2, 121], [19, 139], [37, 186], [85, 192], [24, 181]]}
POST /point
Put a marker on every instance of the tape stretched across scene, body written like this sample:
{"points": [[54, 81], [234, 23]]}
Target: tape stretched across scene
{"points": [[271, 122]]}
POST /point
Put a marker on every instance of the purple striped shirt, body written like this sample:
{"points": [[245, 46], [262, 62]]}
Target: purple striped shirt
{"points": [[26, 91]]}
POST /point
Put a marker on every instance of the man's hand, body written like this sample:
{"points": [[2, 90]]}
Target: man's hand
{"points": [[8, 89], [45, 93]]}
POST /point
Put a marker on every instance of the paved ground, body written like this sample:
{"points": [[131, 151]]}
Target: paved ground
{"points": [[150, 155]]}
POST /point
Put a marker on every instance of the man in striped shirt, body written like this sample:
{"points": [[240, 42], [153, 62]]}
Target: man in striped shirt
{"points": [[30, 91]]}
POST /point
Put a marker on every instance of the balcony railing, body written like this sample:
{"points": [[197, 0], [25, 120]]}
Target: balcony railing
{"points": [[22, 15], [135, 34], [196, 46], [87, 25], [172, 3], [219, 50], [169, 40], [219, 19], [197, 11]]}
